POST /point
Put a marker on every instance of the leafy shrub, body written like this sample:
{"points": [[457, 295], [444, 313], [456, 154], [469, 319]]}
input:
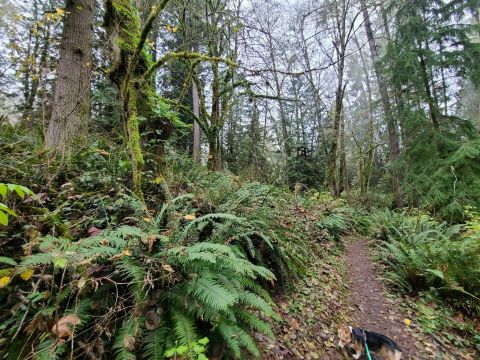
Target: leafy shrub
{"points": [[5, 189], [269, 238], [336, 224], [442, 168]]}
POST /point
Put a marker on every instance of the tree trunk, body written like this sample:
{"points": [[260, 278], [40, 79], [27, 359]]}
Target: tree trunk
{"points": [[71, 104], [31, 80], [366, 163], [196, 125], [214, 162], [129, 63], [283, 118], [382, 86], [344, 183], [332, 159], [432, 103]]}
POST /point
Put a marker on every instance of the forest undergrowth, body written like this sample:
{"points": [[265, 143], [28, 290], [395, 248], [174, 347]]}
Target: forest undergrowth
{"points": [[89, 271], [209, 266]]}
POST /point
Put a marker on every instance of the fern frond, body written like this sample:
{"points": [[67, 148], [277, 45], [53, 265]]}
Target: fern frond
{"points": [[125, 339], [154, 343], [50, 350], [253, 322], [129, 269], [210, 292], [253, 300], [183, 327], [230, 335], [246, 340], [213, 216], [37, 260]]}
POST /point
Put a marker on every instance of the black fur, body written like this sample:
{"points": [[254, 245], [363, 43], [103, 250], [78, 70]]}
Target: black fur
{"points": [[375, 341]]}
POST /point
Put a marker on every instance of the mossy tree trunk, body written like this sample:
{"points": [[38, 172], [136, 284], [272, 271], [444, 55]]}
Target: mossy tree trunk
{"points": [[133, 71], [366, 157], [332, 158], [214, 162], [342, 33], [130, 64], [197, 137], [344, 183]]}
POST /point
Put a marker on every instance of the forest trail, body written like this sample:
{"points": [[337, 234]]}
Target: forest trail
{"points": [[374, 309], [342, 287]]}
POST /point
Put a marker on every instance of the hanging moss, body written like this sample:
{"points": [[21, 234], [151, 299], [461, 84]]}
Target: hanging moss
{"points": [[123, 23], [134, 140], [132, 71]]}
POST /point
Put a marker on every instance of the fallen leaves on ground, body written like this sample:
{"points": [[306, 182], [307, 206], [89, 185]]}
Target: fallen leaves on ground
{"points": [[310, 313]]}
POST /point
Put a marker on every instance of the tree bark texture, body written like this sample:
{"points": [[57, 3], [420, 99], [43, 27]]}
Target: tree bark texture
{"points": [[196, 125], [332, 159], [130, 61], [71, 104]]}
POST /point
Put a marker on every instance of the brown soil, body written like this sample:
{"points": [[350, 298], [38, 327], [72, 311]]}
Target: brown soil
{"points": [[373, 310], [340, 289]]}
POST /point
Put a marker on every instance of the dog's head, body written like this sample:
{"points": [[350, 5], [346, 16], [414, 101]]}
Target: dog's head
{"points": [[344, 336]]}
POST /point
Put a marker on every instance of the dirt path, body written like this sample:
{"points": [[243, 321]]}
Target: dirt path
{"points": [[373, 310], [341, 287]]}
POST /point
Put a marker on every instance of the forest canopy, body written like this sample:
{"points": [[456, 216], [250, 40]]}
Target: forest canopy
{"points": [[358, 97]]}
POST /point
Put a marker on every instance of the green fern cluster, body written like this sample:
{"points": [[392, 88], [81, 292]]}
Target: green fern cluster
{"points": [[421, 253], [260, 223], [169, 280], [336, 223], [197, 260]]}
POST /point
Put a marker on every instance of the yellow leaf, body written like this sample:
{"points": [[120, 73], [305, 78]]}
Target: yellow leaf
{"points": [[168, 268], [81, 283], [4, 281], [103, 152], [27, 274], [127, 252], [407, 322], [60, 12], [174, 29], [190, 217], [147, 219]]}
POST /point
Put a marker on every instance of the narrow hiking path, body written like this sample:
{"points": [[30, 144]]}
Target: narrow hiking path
{"points": [[342, 287], [376, 310]]}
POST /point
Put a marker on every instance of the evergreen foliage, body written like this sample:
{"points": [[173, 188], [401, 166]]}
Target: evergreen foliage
{"points": [[421, 254], [440, 150]]}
